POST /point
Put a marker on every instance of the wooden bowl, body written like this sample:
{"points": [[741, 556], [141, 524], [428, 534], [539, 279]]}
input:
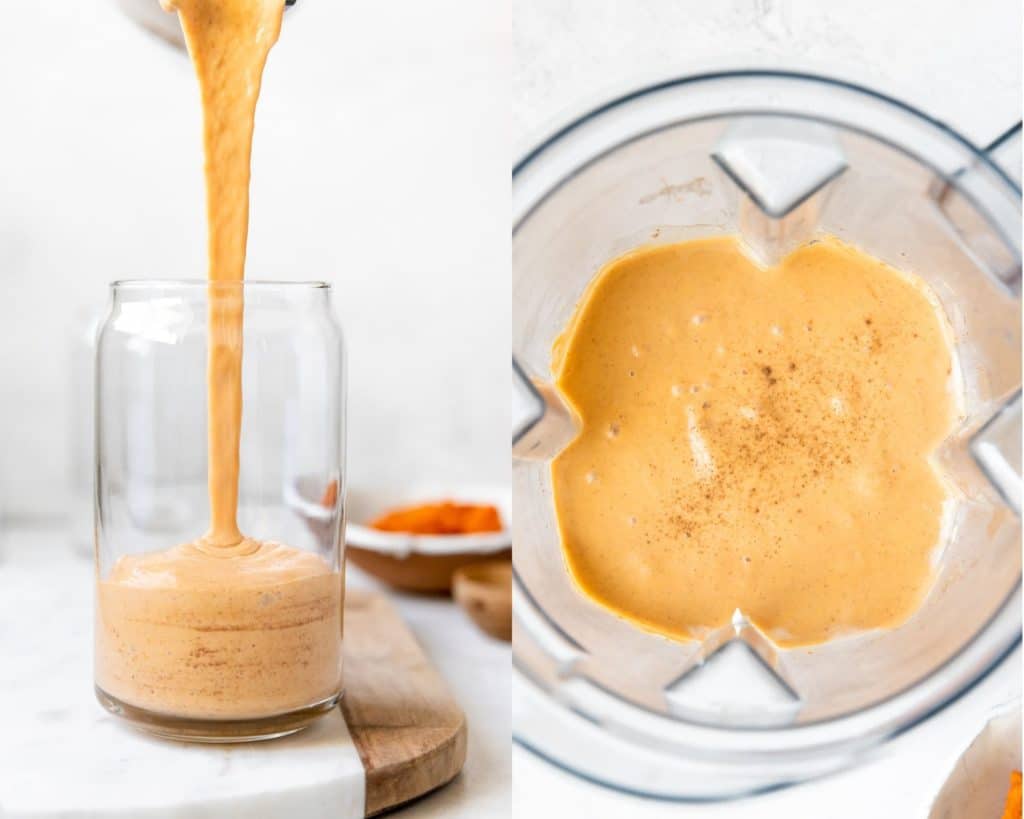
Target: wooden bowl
{"points": [[484, 590], [424, 573]]}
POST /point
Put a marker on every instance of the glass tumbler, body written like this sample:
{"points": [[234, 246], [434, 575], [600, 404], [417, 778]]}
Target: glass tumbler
{"points": [[197, 637]]}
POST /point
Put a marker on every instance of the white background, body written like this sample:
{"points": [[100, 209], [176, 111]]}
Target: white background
{"points": [[380, 164], [960, 63]]}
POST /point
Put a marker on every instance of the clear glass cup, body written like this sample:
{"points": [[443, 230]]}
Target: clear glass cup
{"points": [[197, 641], [774, 157]]}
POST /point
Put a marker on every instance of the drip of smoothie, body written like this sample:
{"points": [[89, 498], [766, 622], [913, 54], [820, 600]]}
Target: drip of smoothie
{"points": [[225, 626], [754, 439]]}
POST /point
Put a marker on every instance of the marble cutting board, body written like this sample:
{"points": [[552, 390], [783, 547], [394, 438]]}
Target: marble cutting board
{"points": [[397, 735]]}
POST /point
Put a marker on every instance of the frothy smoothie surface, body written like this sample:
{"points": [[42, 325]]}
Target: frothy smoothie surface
{"points": [[183, 633], [226, 626], [754, 439]]}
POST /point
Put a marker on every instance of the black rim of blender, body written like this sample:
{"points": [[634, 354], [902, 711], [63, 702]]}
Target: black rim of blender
{"points": [[979, 154]]}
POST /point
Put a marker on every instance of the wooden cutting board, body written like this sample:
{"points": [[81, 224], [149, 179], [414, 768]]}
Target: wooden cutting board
{"points": [[410, 733]]}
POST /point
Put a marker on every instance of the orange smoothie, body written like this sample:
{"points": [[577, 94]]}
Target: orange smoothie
{"points": [[185, 633], [754, 439], [226, 626]]}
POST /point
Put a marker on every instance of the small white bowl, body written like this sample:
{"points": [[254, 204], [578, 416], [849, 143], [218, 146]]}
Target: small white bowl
{"points": [[418, 563], [980, 779], [421, 563], [365, 505]]}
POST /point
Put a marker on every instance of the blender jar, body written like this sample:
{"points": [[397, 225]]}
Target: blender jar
{"points": [[776, 158], [194, 639]]}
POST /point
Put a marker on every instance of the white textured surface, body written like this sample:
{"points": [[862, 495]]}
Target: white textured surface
{"points": [[959, 63], [63, 757], [380, 164]]}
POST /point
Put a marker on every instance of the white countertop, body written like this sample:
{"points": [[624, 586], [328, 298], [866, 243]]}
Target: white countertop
{"points": [[54, 731]]}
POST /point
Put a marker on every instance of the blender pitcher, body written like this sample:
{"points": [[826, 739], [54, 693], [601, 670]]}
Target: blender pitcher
{"points": [[775, 158]]}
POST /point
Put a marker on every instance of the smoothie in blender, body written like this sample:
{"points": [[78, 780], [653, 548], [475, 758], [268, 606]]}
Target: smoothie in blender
{"points": [[754, 439]]}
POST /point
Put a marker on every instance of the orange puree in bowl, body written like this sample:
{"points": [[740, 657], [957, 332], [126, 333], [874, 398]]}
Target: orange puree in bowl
{"points": [[754, 439], [445, 518]]}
